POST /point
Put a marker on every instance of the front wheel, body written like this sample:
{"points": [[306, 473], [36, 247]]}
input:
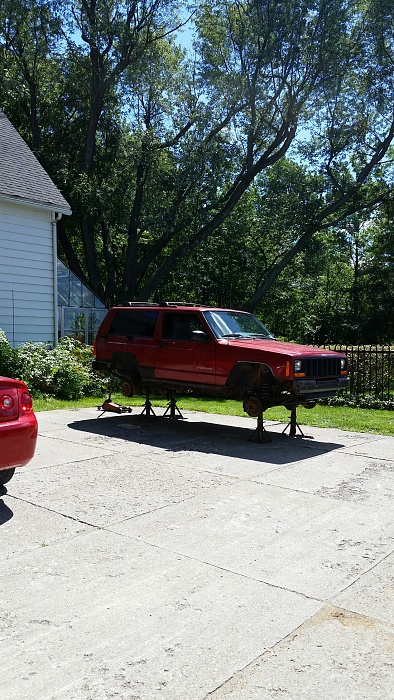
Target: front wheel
{"points": [[6, 475], [253, 406]]}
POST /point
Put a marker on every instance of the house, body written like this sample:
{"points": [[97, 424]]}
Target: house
{"points": [[30, 206]]}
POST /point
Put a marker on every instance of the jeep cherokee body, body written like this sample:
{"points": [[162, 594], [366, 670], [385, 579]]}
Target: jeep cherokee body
{"points": [[219, 352]]}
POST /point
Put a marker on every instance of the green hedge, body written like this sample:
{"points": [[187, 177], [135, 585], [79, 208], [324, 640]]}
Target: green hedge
{"points": [[354, 401], [64, 371]]}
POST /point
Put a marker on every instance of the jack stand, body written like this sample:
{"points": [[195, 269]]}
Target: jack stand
{"points": [[293, 424], [260, 434], [172, 408], [148, 408]]}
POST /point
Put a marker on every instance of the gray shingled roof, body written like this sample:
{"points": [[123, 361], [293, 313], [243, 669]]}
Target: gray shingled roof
{"points": [[22, 177]]}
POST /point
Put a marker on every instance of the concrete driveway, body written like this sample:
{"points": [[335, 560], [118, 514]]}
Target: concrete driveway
{"points": [[147, 559]]}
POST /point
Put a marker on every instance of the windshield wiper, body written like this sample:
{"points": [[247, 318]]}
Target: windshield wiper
{"points": [[263, 336], [232, 335]]}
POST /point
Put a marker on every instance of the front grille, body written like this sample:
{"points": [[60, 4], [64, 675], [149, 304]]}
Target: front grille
{"points": [[321, 366]]}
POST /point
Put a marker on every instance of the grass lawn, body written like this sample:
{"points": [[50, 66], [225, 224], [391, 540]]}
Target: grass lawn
{"points": [[359, 420]]}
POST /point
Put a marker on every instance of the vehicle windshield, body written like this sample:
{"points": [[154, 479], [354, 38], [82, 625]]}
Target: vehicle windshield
{"points": [[236, 324]]}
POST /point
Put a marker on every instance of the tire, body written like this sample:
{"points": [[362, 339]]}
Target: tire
{"points": [[6, 475]]}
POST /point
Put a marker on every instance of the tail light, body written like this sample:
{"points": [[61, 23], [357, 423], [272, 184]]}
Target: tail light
{"points": [[25, 403], [94, 348], [6, 402]]}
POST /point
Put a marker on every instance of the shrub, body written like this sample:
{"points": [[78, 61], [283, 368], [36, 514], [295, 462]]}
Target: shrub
{"points": [[354, 401], [64, 372], [8, 358]]}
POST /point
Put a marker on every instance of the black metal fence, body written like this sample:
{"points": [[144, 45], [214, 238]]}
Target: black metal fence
{"points": [[371, 370]]}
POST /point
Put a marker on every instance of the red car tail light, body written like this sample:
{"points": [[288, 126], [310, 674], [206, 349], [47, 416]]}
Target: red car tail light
{"points": [[6, 402], [25, 402]]}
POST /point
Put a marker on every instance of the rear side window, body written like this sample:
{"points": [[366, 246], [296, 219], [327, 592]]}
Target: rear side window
{"points": [[131, 323]]}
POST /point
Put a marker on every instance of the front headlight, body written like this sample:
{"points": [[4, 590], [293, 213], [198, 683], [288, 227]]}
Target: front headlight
{"points": [[297, 365], [343, 364]]}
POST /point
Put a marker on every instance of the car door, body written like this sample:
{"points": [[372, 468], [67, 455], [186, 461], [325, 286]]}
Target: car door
{"points": [[185, 350]]}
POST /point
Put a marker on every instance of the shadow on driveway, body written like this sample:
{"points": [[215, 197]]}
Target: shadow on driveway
{"points": [[204, 437]]}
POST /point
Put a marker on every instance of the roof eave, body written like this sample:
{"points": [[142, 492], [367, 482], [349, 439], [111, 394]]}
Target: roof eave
{"points": [[50, 206]]}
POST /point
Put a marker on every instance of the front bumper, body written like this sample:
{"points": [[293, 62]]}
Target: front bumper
{"points": [[319, 388]]}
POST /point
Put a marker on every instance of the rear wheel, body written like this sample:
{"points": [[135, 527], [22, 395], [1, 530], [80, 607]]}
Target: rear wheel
{"points": [[309, 404], [6, 475], [127, 388]]}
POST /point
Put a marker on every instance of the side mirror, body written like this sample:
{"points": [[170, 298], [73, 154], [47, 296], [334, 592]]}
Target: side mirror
{"points": [[201, 336]]}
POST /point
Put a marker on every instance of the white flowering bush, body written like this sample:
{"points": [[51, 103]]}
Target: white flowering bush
{"points": [[8, 358], [64, 371]]}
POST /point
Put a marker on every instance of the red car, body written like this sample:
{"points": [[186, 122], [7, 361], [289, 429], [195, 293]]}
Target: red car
{"points": [[18, 427]]}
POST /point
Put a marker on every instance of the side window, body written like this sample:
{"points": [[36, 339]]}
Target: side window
{"points": [[131, 323], [181, 326]]}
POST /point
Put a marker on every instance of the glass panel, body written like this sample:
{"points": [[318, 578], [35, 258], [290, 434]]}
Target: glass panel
{"points": [[72, 292], [87, 297], [94, 321], [75, 292], [74, 323], [99, 304], [62, 293]]}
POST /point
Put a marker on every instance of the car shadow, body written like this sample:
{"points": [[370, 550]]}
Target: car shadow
{"points": [[204, 437], [5, 512]]}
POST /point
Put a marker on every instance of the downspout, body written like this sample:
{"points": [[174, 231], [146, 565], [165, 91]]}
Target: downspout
{"points": [[55, 218]]}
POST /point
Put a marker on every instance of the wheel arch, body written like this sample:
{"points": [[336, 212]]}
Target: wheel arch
{"points": [[246, 377]]}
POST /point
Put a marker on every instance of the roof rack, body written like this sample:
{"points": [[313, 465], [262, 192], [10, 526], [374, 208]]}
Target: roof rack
{"points": [[160, 303]]}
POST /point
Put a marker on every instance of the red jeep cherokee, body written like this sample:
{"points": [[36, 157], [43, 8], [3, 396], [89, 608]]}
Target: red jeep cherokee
{"points": [[219, 352]]}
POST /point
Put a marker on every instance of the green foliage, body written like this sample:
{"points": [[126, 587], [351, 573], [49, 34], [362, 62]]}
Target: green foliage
{"points": [[8, 357], [156, 152], [365, 402], [64, 372], [219, 177]]}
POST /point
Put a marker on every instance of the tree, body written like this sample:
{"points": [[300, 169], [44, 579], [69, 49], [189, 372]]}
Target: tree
{"points": [[156, 151], [374, 281]]}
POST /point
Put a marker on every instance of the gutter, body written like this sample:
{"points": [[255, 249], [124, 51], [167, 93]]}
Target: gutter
{"points": [[29, 203], [56, 216]]}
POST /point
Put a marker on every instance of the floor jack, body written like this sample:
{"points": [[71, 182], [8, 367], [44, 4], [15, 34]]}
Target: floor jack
{"points": [[111, 406]]}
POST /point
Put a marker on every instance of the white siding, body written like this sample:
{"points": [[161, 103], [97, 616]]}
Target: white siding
{"points": [[27, 309]]}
